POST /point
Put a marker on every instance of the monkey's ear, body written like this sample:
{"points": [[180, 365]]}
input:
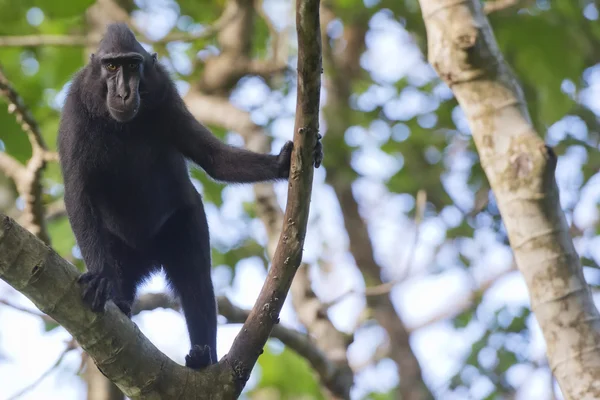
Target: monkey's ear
{"points": [[92, 57], [154, 58]]}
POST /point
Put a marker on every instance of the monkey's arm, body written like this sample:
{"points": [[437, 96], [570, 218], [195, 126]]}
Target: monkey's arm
{"points": [[224, 162], [100, 281], [84, 222]]}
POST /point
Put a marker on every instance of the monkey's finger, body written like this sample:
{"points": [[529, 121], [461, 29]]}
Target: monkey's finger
{"points": [[85, 277], [288, 147], [318, 154]]}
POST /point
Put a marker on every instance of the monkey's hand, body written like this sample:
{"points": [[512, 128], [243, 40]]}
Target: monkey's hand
{"points": [[97, 290], [198, 357], [284, 158]]}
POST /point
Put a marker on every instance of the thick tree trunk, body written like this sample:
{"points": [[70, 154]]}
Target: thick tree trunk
{"points": [[520, 169]]}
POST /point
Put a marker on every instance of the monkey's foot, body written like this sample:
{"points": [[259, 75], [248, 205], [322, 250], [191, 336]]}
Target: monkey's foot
{"points": [[97, 290], [199, 357]]}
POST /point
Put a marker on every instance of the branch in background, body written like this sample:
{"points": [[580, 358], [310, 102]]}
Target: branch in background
{"points": [[56, 210], [520, 170], [386, 287], [491, 6], [22, 114], [340, 73], [40, 315], [464, 304], [71, 345], [11, 167], [265, 313], [27, 178], [221, 72], [339, 377], [279, 40]]}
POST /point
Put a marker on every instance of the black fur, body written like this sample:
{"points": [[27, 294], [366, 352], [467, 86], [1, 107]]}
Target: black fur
{"points": [[124, 136]]}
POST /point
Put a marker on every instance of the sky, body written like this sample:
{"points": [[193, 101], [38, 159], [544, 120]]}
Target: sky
{"points": [[390, 56]]}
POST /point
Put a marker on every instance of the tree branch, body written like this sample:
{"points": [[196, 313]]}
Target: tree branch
{"points": [[288, 255], [27, 178], [520, 169], [11, 167]]}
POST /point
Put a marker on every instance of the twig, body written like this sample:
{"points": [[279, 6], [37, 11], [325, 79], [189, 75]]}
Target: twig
{"points": [[71, 345], [22, 114], [466, 302], [25, 310], [11, 167], [55, 210], [386, 287], [248, 345], [498, 5], [279, 43], [28, 178]]}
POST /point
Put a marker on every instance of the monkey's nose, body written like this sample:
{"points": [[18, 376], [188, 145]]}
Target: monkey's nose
{"points": [[124, 95]]}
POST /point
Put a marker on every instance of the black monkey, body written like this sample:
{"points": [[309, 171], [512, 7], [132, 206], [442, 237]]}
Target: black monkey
{"points": [[124, 137]]}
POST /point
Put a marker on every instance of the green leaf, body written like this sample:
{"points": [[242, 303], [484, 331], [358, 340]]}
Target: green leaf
{"points": [[463, 319], [61, 9], [506, 359]]}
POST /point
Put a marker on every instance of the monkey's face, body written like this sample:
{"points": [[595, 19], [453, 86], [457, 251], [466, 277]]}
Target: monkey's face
{"points": [[123, 76]]}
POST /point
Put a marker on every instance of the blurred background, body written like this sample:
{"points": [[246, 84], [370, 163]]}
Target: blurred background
{"points": [[408, 278]]}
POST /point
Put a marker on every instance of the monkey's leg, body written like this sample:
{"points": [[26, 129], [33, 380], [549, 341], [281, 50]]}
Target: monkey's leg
{"points": [[131, 269], [118, 280], [185, 253]]}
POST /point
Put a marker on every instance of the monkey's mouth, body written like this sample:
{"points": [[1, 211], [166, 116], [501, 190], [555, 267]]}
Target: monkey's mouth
{"points": [[123, 115]]}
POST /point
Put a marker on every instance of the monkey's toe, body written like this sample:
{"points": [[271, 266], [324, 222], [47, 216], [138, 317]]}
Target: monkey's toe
{"points": [[97, 290], [199, 357]]}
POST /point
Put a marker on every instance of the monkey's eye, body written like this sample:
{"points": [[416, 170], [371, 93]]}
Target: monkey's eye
{"points": [[111, 67], [133, 67]]}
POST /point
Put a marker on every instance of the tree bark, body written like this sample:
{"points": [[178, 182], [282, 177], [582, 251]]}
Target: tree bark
{"points": [[520, 169]]}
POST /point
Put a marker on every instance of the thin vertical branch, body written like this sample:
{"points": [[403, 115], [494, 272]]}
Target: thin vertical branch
{"points": [[288, 255]]}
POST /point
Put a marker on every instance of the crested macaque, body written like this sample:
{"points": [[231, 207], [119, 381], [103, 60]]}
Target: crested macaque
{"points": [[124, 138]]}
